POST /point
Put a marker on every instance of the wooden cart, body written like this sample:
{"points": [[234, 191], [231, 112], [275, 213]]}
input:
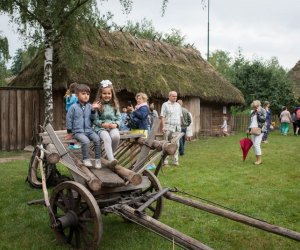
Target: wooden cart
{"points": [[128, 189]]}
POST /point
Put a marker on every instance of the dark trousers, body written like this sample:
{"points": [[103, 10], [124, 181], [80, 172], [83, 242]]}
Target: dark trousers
{"points": [[182, 142]]}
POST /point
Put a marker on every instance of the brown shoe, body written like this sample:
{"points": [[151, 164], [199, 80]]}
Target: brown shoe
{"points": [[257, 163]]}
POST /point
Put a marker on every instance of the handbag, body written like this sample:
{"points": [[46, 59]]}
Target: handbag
{"points": [[255, 131]]}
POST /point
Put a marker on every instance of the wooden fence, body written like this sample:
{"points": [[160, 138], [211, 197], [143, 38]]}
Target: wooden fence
{"points": [[20, 117]]}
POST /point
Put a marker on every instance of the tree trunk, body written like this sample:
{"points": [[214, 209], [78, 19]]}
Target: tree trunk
{"points": [[47, 81]]}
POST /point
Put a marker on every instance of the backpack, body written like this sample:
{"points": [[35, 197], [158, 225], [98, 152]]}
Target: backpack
{"points": [[131, 122], [298, 114]]}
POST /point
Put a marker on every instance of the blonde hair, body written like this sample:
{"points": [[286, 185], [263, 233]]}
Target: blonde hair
{"points": [[142, 95], [255, 103]]}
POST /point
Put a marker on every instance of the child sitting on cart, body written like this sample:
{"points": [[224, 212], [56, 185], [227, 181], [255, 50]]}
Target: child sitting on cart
{"points": [[107, 118], [79, 125]]}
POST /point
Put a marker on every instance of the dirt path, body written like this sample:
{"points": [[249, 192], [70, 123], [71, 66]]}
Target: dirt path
{"points": [[15, 158]]}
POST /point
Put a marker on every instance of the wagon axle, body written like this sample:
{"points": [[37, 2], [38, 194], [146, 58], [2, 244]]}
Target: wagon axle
{"points": [[70, 219]]}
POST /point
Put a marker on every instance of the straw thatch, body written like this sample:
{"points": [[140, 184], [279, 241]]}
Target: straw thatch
{"points": [[294, 75], [136, 65]]}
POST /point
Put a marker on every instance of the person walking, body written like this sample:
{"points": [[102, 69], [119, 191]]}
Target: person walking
{"points": [[256, 128], [171, 113], [268, 122], [185, 122], [285, 119]]}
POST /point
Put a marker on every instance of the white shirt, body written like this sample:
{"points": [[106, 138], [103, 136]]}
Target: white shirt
{"points": [[172, 113]]}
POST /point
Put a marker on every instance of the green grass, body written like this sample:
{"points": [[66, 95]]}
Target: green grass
{"points": [[212, 168]]}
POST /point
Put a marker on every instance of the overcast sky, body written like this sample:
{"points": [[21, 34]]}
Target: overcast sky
{"points": [[261, 28]]}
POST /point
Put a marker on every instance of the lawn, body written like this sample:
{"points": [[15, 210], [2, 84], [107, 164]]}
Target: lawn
{"points": [[212, 169]]}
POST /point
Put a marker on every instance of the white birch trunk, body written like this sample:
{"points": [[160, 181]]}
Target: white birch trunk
{"points": [[47, 81]]}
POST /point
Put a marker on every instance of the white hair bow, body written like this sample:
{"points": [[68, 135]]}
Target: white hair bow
{"points": [[105, 83]]}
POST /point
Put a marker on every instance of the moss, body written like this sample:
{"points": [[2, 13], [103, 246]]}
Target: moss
{"points": [[135, 65]]}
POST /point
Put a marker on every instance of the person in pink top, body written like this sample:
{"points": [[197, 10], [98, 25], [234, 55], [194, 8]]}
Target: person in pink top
{"points": [[285, 119]]}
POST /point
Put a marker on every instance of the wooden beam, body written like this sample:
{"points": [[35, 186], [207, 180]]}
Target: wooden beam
{"points": [[235, 216]]}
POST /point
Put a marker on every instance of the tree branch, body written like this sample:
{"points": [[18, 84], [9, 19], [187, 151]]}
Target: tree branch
{"points": [[32, 16]]}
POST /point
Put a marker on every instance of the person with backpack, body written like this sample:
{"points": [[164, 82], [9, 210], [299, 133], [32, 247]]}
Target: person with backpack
{"points": [[297, 112], [186, 120]]}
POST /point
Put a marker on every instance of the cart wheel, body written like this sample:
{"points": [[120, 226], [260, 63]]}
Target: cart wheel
{"points": [[78, 217], [34, 177], [155, 209]]}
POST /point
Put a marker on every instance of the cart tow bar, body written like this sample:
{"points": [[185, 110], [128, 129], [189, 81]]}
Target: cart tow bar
{"points": [[234, 216], [161, 229]]}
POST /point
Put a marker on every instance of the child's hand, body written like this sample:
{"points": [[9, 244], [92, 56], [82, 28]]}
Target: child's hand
{"points": [[105, 125], [69, 137], [113, 125], [97, 105]]}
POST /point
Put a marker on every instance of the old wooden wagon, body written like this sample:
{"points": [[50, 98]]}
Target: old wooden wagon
{"points": [[128, 189]]}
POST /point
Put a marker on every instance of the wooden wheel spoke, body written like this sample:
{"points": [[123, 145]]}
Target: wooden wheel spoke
{"points": [[83, 209], [65, 200], [86, 219], [71, 199], [61, 206], [70, 236], [87, 230], [77, 238], [77, 203]]}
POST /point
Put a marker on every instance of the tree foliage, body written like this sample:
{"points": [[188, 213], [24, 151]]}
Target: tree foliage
{"points": [[4, 53], [257, 79], [23, 58]]}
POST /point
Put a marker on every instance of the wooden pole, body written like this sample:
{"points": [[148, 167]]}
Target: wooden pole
{"points": [[162, 229], [235, 216]]}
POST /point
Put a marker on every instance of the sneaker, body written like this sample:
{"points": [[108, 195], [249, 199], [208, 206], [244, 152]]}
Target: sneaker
{"points": [[151, 167], [97, 163], [71, 147], [176, 164], [76, 146], [87, 163]]}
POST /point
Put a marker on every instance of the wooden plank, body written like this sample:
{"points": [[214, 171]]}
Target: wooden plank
{"points": [[12, 119], [20, 120], [27, 116], [4, 119], [108, 177], [125, 188]]}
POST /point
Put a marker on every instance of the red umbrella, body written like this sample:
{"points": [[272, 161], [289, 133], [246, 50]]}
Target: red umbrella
{"points": [[246, 144]]}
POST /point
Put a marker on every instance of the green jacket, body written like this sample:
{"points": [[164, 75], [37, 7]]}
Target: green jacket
{"points": [[186, 119], [109, 115]]}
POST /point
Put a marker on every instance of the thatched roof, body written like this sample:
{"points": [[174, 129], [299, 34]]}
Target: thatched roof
{"points": [[135, 65], [294, 75]]}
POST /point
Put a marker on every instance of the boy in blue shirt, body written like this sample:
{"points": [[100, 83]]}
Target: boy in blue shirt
{"points": [[79, 125]]}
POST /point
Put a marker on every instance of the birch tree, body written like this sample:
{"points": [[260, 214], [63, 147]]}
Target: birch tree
{"points": [[50, 19]]}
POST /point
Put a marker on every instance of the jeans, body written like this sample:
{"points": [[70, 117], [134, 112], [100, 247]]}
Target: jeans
{"points": [[182, 142], [84, 139]]}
